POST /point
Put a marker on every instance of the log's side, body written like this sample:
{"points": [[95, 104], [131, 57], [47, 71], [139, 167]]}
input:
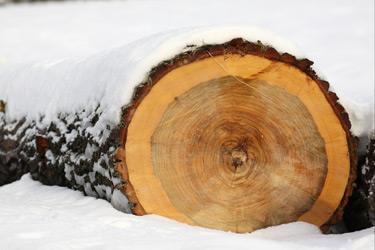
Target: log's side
{"points": [[16, 155], [368, 177], [64, 153], [359, 213], [135, 159]]}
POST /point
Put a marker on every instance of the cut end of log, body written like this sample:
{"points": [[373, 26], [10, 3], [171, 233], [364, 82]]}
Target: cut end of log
{"points": [[237, 138]]}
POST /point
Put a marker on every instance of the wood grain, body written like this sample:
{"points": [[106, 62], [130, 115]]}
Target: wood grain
{"points": [[237, 142]]}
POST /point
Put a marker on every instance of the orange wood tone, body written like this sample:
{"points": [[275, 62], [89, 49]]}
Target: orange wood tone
{"points": [[236, 143]]}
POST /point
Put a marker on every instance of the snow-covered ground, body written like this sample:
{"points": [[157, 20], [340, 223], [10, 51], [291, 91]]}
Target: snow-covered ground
{"points": [[33, 216], [337, 35]]}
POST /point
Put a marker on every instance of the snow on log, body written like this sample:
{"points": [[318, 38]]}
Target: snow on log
{"points": [[222, 127]]}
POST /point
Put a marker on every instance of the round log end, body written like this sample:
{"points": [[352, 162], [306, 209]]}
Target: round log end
{"points": [[225, 138]]}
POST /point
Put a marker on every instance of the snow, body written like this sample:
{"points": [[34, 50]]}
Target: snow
{"points": [[34, 216], [105, 82], [361, 116], [45, 41]]}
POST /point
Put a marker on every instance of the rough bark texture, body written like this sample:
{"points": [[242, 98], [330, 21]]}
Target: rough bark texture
{"points": [[65, 153], [368, 175], [360, 211], [16, 156]]}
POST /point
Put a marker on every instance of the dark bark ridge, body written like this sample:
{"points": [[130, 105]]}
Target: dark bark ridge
{"points": [[64, 153]]}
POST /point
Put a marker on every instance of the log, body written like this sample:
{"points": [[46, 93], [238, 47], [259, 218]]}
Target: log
{"points": [[233, 136]]}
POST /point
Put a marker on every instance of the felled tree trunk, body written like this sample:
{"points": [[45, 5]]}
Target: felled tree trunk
{"points": [[234, 137]]}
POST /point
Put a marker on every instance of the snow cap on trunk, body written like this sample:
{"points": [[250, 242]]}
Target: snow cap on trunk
{"points": [[105, 82]]}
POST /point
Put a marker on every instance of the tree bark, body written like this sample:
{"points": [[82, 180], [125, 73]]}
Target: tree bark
{"points": [[368, 176], [234, 137], [360, 210]]}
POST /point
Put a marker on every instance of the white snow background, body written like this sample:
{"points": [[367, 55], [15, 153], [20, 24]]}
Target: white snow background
{"points": [[337, 35]]}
